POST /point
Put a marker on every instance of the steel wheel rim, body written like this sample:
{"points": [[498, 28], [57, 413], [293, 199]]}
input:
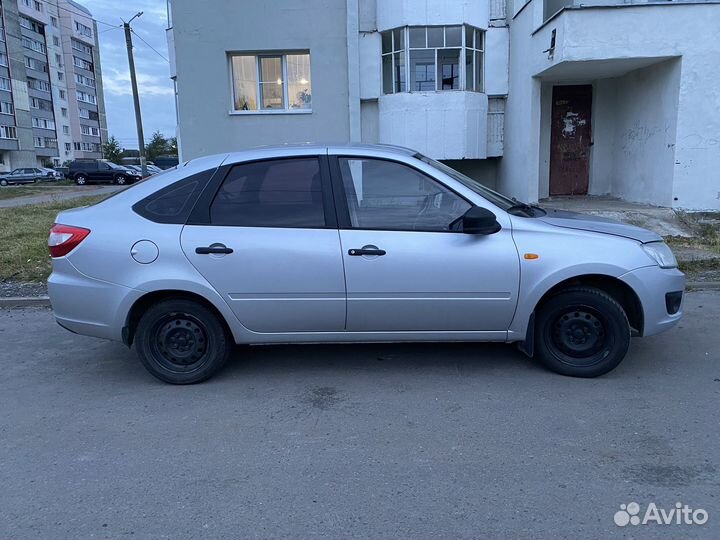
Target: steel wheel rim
{"points": [[180, 343], [578, 336]]}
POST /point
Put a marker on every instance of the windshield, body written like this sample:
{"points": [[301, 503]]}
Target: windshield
{"points": [[498, 199], [114, 165]]}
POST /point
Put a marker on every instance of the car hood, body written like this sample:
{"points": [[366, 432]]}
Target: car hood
{"points": [[585, 222]]}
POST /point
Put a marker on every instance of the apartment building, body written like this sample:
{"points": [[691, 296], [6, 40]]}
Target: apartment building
{"points": [[51, 102], [537, 98]]}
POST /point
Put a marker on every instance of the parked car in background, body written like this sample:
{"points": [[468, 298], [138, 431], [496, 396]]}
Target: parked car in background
{"points": [[154, 169], [50, 174], [95, 171], [21, 176], [166, 162], [351, 243]]}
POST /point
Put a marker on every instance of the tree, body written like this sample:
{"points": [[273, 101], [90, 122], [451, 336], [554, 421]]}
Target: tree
{"points": [[157, 146], [112, 150]]}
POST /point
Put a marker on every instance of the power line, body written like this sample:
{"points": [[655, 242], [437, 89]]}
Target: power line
{"points": [[151, 47]]}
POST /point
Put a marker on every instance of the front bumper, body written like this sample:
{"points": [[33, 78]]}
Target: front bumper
{"points": [[652, 285]]}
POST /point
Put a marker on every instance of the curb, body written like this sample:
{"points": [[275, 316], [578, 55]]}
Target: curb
{"points": [[697, 285], [44, 301], [24, 301]]}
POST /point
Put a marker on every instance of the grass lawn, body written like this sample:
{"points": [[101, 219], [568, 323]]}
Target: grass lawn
{"points": [[23, 238], [38, 188]]}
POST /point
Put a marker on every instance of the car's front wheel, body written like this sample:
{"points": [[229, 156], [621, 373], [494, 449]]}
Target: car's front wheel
{"points": [[81, 179], [3, 182], [181, 341], [121, 180], [581, 332]]}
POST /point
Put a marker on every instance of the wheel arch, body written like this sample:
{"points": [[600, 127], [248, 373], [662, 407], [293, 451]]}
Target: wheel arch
{"points": [[145, 301], [619, 290]]}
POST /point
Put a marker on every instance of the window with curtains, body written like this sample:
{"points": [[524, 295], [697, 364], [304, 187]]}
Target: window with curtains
{"points": [[271, 82], [432, 58]]}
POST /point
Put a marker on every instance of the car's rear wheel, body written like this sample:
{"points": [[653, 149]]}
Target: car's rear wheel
{"points": [[121, 179], [581, 332], [81, 179], [180, 341]]}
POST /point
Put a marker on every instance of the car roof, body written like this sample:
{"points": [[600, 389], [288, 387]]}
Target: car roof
{"points": [[260, 152]]}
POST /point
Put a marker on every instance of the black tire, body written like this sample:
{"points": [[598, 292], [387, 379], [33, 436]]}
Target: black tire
{"points": [[581, 332], [3, 182], [180, 341], [121, 179], [81, 179]]}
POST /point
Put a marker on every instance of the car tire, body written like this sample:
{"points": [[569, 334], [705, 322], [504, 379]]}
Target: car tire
{"points": [[121, 179], [581, 332], [3, 182], [181, 341], [81, 179]]}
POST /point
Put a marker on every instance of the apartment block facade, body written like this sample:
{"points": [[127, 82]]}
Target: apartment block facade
{"points": [[537, 98], [51, 101]]}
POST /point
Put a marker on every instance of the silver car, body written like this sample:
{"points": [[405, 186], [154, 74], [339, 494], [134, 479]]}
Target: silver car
{"points": [[352, 244]]}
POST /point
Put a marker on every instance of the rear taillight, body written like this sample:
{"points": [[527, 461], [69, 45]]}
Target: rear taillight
{"points": [[64, 238]]}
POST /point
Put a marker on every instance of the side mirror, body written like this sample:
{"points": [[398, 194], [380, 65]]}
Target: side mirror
{"points": [[480, 220]]}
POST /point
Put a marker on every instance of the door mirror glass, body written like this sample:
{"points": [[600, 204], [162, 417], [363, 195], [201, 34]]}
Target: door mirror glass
{"points": [[480, 220]]}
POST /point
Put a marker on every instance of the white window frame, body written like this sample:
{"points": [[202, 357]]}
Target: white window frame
{"points": [[463, 50], [258, 85], [4, 130]]}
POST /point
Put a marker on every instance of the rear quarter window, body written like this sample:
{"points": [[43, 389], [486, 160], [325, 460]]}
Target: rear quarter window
{"points": [[173, 203]]}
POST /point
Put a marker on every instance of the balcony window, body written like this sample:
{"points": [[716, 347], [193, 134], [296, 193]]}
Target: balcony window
{"points": [[271, 82], [436, 58]]}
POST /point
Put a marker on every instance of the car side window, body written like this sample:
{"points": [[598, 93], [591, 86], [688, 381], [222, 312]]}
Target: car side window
{"points": [[387, 195], [273, 193], [173, 203]]}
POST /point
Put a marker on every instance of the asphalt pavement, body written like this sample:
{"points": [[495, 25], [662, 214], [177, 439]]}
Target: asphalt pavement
{"points": [[356, 441]]}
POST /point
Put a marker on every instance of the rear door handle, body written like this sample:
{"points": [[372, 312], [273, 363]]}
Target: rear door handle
{"points": [[366, 251], [213, 249]]}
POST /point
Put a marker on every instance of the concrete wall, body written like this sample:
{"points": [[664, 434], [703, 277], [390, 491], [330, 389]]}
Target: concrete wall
{"points": [[443, 125], [203, 38], [642, 152], [595, 45], [519, 168], [395, 13]]}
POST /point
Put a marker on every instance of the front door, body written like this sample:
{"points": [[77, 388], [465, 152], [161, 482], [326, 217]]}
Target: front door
{"points": [[570, 140], [406, 267], [271, 249]]}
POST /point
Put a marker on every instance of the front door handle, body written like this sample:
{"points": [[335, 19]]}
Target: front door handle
{"points": [[219, 249], [366, 251]]}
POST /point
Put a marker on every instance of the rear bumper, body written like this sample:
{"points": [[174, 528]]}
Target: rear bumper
{"points": [[88, 306], [652, 285]]}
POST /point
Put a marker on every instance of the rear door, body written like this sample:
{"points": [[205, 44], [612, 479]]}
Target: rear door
{"points": [[268, 243], [407, 267]]}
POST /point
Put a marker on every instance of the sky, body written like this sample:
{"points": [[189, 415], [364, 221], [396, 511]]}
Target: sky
{"points": [[153, 71]]}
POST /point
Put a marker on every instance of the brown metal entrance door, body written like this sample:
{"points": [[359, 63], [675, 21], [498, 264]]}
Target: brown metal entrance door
{"points": [[570, 140]]}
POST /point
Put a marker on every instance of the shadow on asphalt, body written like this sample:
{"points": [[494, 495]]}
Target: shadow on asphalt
{"points": [[482, 360]]}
